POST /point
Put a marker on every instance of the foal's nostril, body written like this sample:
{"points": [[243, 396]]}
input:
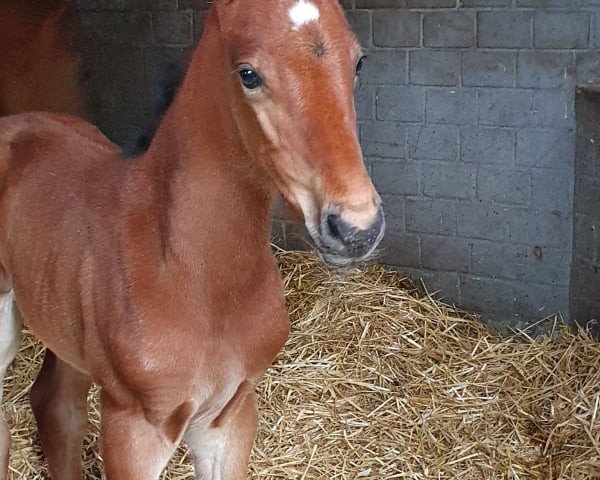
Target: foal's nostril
{"points": [[339, 229], [332, 224]]}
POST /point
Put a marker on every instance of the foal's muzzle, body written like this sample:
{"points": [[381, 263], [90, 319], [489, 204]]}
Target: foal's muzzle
{"points": [[342, 242]]}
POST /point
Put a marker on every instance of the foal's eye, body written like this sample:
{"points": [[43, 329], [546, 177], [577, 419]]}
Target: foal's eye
{"points": [[250, 79], [359, 65]]}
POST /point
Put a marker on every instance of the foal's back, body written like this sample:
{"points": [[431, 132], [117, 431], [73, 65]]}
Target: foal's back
{"points": [[56, 157]]}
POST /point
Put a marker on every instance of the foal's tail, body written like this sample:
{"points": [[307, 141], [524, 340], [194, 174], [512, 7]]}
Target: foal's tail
{"points": [[61, 24], [7, 134], [60, 60]]}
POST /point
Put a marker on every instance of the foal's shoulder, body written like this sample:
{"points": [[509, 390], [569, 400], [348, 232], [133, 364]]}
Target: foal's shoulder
{"points": [[53, 130]]}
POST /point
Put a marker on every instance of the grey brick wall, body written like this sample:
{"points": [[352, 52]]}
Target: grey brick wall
{"points": [[472, 142], [467, 120]]}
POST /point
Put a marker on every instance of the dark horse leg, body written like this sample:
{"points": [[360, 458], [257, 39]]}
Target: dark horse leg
{"points": [[59, 403]]}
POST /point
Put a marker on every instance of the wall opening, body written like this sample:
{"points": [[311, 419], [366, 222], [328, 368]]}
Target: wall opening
{"points": [[585, 274]]}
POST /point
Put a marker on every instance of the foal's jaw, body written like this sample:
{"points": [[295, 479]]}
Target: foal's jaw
{"points": [[333, 193]]}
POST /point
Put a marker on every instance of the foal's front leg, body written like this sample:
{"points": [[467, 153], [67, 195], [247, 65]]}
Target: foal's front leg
{"points": [[59, 403], [222, 451], [133, 448]]}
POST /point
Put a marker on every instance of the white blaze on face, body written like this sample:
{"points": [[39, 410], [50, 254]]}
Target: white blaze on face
{"points": [[303, 13]]}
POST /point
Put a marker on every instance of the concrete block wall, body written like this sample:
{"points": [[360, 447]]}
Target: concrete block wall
{"points": [[467, 120]]}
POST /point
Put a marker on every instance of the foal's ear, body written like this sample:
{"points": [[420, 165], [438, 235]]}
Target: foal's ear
{"points": [[226, 11], [221, 5]]}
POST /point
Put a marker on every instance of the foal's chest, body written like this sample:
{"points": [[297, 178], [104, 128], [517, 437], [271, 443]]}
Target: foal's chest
{"points": [[199, 350], [259, 326]]}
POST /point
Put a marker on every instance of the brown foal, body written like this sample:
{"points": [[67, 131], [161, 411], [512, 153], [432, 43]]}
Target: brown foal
{"points": [[153, 276], [40, 68]]}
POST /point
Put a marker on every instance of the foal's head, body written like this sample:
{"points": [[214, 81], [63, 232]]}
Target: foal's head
{"points": [[293, 66]]}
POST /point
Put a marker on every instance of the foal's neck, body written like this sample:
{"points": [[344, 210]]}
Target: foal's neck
{"points": [[220, 201]]}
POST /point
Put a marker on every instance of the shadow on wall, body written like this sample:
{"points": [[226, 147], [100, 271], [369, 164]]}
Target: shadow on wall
{"points": [[172, 78]]}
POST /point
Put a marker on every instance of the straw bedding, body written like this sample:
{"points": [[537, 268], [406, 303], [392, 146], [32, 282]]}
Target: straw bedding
{"points": [[379, 382]]}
